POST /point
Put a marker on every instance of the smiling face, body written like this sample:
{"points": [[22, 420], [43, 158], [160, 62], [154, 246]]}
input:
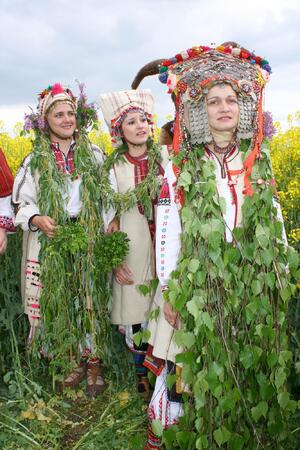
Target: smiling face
{"points": [[135, 128], [62, 121], [222, 108]]}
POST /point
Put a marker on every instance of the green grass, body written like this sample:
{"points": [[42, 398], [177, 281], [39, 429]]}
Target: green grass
{"points": [[35, 417]]}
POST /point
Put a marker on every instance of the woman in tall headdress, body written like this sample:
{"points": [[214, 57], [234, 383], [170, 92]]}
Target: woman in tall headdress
{"points": [[221, 255], [138, 164], [6, 213], [60, 207]]}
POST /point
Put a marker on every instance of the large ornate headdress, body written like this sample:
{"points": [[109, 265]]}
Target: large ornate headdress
{"points": [[115, 106], [190, 75]]}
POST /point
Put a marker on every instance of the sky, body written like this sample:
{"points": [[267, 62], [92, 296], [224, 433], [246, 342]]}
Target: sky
{"points": [[104, 44]]}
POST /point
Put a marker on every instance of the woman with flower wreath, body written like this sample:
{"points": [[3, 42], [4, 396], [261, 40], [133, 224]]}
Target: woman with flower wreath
{"points": [[6, 213], [219, 344], [60, 207], [138, 164]]}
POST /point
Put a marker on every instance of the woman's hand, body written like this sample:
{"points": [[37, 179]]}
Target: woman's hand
{"points": [[3, 241], [123, 275], [45, 224], [113, 226], [171, 316]]}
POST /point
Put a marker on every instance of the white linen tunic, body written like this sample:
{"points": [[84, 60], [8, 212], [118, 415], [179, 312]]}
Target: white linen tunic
{"points": [[129, 306]]}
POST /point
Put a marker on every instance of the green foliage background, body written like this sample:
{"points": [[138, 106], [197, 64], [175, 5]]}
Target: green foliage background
{"points": [[32, 416]]}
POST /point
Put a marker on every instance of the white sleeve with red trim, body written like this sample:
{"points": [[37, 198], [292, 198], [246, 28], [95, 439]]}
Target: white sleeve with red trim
{"points": [[168, 228], [24, 196]]}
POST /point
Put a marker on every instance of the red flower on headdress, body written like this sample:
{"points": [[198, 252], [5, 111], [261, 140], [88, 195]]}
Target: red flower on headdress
{"points": [[244, 54], [179, 57], [44, 93], [258, 59], [191, 52], [181, 86], [57, 89]]}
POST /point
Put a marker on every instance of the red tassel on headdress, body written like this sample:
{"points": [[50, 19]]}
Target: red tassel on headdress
{"points": [[248, 164], [179, 198], [176, 136], [6, 177]]}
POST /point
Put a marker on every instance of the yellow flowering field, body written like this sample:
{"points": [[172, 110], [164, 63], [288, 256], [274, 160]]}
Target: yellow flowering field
{"points": [[285, 154]]}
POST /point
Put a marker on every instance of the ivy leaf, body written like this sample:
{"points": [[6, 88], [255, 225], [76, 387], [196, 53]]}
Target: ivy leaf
{"points": [[193, 307], [137, 338], [237, 442], [153, 284], [227, 404], [285, 293], [270, 279], [187, 357], [200, 277], [207, 320], [260, 410], [280, 377], [262, 235], [222, 204], [179, 302], [250, 356], [202, 443], [144, 289], [187, 374], [184, 338], [185, 438], [256, 287], [171, 379], [221, 435], [266, 389], [266, 256], [169, 436], [157, 427], [238, 233], [250, 311], [194, 265], [215, 255], [283, 399], [154, 314], [231, 255], [186, 214], [293, 258], [272, 359], [284, 357], [214, 239], [185, 179], [146, 335], [218, 370], [201, 386]]}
